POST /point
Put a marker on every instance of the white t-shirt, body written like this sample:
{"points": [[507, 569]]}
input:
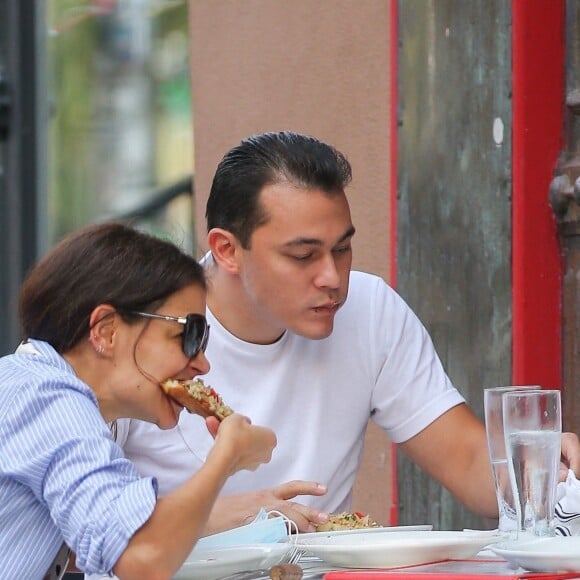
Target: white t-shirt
{"points": [[317, 395]]}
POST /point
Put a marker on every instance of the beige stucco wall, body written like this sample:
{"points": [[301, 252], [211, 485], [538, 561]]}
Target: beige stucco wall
{"points": [[317, 67]]}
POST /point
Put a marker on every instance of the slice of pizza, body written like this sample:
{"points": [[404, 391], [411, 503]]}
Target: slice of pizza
{"points": [[347, 521], [197, 398]]}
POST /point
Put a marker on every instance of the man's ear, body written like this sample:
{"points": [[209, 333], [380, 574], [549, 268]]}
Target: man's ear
{"points": [[102, 325], [225, 249]]}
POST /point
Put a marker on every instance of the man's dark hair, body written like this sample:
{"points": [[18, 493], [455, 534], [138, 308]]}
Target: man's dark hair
{"points": [[109, 263], [265, 159]]}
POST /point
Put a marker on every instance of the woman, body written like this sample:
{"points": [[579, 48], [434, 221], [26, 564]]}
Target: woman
{"points": [[91, 357]]}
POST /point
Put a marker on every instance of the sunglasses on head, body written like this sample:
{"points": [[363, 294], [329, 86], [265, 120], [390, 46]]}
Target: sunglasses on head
{"points": [[195, 330]]}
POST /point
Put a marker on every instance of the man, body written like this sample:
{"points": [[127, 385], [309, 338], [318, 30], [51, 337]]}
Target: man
{"points": [[306, 346]]}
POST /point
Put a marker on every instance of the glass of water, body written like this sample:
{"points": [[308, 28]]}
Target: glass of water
{"points": [[533, 432], [493, 409]]}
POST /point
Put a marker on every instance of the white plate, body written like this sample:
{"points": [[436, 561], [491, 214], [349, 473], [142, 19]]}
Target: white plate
{"points": [[211, 563], [559, 554], [313, 537], [394, 549]]}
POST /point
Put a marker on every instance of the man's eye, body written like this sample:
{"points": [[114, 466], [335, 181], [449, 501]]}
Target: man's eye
{"points": [[302, 257], [342, 249]]}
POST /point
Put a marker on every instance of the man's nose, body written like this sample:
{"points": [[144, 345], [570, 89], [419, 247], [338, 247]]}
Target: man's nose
{"points": [[328, 276]]}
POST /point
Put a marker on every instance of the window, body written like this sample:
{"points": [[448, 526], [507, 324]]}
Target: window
{"points": [[95, 123], [120, 128]]}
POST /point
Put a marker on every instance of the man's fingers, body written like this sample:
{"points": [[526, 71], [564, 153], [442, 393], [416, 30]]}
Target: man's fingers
{"points": [[291, 489], [571, 451], [305, 518]]}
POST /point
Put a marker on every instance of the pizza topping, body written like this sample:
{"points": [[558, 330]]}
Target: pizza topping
{"points": [[204, 395]]}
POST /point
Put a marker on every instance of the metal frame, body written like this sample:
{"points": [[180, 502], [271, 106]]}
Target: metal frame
{"points": [[23, 220], [158, 200]]}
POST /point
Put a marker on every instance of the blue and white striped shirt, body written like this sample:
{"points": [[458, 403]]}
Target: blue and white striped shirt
{"points": [[62, 476]]}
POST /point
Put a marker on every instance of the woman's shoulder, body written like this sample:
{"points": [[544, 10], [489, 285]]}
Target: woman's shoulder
{"points": [[29, 376]]}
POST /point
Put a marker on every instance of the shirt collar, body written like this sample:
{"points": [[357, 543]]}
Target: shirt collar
{"points": [[42, 349]]}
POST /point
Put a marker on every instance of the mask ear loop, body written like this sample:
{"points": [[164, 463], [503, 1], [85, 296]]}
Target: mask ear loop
{"points": [[290, 525]]}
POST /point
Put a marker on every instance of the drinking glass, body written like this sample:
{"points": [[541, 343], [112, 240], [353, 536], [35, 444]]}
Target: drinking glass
{"points": [[493, 410], [533, 432]]}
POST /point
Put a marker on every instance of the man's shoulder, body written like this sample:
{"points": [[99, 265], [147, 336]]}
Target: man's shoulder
{"points": [[364, 286], [366, 278], [373, 299]]}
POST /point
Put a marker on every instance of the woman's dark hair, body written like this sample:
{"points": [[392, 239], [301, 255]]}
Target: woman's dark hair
{"points": [[260, 160], [108, 263]]}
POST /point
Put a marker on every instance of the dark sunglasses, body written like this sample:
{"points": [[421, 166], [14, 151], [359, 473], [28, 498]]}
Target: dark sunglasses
{"points": [[195, 330]]}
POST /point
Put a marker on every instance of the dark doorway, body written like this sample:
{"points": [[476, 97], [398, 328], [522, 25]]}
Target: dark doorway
{"points": [[22, 221]]}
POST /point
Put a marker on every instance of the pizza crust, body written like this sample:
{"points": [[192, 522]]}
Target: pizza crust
{"points": [[197, 398]]}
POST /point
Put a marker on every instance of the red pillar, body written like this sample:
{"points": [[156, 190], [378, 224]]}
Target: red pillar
{"points": [[538, 57]]}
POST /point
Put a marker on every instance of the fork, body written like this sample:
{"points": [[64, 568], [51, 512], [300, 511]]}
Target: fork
{"points": [[295, 555]]}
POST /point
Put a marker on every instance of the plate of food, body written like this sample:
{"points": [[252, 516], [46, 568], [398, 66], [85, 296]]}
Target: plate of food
{"points": [[213, 563], [392, 549], [344, 523], [554, 554]]}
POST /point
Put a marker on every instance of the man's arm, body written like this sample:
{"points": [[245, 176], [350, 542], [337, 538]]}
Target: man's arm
{"points": [[453, 450], [234, 510]]}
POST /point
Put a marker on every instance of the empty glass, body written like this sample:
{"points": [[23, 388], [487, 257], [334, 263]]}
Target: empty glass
{"points": [[533, 433], [493, 409]]}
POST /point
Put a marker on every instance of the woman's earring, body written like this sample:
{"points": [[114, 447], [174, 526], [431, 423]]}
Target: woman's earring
{"points": [[100, 349]]}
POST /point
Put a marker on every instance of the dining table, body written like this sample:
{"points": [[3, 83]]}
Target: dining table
{"points": [[484, 566], [390, 553], [477, 568]]}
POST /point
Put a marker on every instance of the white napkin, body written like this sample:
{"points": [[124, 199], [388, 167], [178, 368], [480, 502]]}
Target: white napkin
{"points": [[568, 506]]}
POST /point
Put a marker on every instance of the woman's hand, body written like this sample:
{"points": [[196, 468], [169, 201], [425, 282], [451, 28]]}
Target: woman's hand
{"points": [[179, 518], [249, 446]]}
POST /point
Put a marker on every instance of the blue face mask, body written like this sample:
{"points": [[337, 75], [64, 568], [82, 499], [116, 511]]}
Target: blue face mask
{"points": [[263, 530]]}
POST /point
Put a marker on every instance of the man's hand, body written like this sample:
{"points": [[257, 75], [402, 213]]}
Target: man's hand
{"points": [[570, 455], [237, 510]]}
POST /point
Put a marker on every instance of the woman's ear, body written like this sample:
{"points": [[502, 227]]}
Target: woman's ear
{"points": [[225, 249], [102, 325]]}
